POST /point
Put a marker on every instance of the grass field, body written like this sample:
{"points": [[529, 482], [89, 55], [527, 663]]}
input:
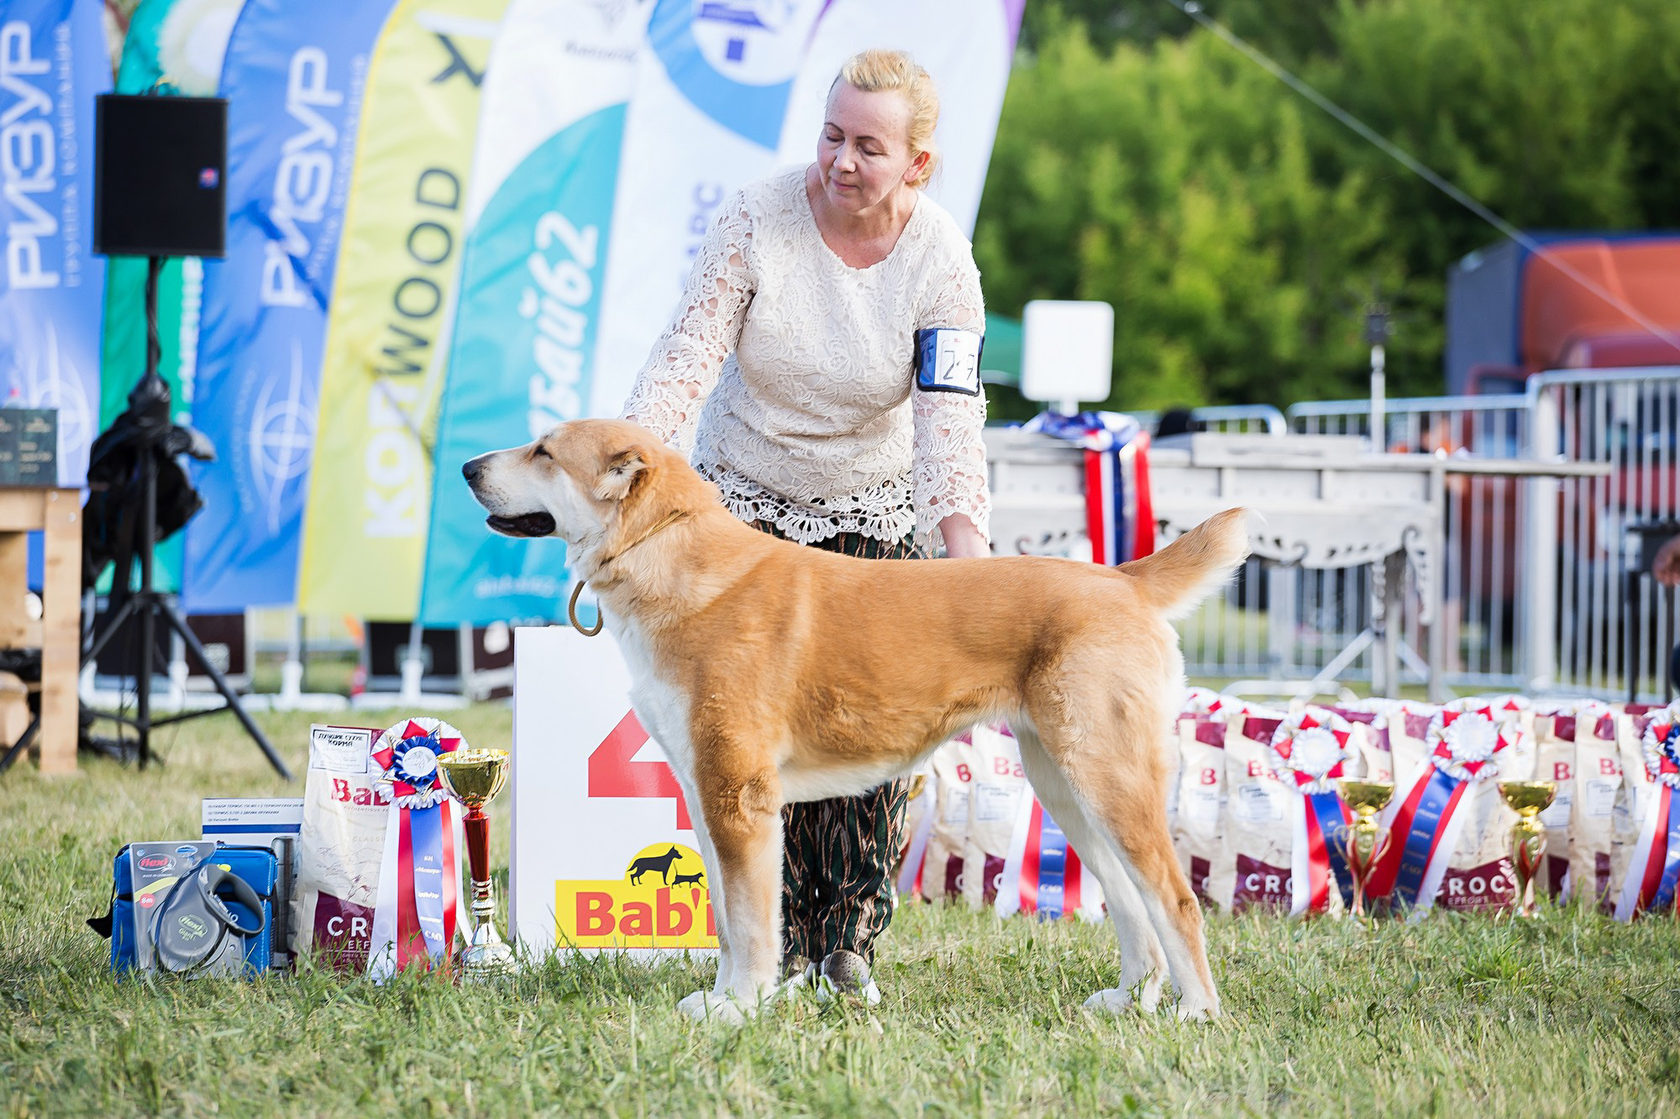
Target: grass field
{"points": [[1568, 1015]]}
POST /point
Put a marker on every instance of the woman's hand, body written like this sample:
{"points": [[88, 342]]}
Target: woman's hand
{"points": [[962, 539]]}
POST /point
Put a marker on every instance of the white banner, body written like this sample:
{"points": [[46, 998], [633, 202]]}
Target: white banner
{"points": [[711, 88], [603, 856], [965, 46]]}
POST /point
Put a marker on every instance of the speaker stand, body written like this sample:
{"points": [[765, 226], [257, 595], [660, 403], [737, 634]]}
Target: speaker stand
{"points": [[150, 606]]}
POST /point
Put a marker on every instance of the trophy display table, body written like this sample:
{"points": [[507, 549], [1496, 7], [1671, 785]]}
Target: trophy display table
{"points": [[58, 514], [1324, 501]]}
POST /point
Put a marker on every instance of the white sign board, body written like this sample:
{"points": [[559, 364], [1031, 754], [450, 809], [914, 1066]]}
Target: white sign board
{"points": [[1067, 351], [603, 854]]}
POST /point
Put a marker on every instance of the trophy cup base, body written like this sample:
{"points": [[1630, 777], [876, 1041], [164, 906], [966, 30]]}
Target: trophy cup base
{"points": [[480, 963]]}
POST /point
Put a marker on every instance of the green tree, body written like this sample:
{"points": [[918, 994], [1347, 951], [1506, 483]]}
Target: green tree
{"points": [[1239, 230], [1176, 183]]}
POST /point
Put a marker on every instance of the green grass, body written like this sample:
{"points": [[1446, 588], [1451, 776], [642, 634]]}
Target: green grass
{"points": [[1569, 1015]]}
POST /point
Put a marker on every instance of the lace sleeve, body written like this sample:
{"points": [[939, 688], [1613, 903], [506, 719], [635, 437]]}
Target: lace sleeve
{"points": [[672, 387], [950, 456]]}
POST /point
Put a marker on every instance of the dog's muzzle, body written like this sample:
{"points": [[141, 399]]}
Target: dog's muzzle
{"points": [[525, 524]]}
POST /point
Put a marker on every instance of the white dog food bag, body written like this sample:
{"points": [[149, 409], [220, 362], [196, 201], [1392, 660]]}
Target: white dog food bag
{"points": [[340, 846], [1253, 868], [993, 798], [1198, 824], [1556, 732], [954, 765]]}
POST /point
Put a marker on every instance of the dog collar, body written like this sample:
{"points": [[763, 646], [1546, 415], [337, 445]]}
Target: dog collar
{"points": [[666, 522]]}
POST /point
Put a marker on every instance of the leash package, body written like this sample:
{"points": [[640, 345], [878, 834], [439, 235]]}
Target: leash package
{"points": [[224, 935]]}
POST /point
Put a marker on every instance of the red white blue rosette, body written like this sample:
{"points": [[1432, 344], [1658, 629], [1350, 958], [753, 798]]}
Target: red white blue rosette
{"points": [[1309, 752], [425, 904], [1654, 866], [408, 753], [1465, 743], [1465, 748]]}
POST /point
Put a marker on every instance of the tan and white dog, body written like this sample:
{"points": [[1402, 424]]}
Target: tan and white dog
{"points": [[774, 673]]}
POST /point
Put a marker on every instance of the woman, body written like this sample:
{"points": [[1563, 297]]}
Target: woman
{"points": [[792, 366]]}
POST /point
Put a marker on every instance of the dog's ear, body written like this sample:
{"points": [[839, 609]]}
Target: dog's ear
{"points": [[623, 469]]}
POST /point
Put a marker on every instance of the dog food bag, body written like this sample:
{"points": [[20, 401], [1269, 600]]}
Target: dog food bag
{"points": [[1198, 825], [1254, 863], [1598, 796], [1478, 874], [993, 798], [954, 765], [1555, 733], [340, 846], [1640, 797]]}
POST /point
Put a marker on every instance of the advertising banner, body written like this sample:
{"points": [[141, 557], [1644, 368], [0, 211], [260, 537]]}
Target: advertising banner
{"points": [[370, 489], [964, 45], [540, 219], [294, 76], [53, 62], [706, 115], [604, 856]]}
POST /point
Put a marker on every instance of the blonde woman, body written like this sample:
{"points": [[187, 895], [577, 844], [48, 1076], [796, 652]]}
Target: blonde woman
{"points": [[824, 366]]}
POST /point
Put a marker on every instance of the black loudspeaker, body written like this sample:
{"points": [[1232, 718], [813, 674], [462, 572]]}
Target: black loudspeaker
{"points": [[160, 173]]}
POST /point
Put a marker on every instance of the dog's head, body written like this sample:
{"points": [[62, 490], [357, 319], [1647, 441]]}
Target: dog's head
{"points": [[580, 481]]}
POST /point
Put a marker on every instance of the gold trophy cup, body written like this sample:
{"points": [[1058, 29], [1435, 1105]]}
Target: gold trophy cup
{"points": [[1364, 842], [474, 777], [1528, 836]]}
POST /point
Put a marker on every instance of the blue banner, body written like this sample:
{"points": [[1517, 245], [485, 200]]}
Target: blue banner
{"points": [[53, 62], [530, 302], [522, 352], [293, 79]]}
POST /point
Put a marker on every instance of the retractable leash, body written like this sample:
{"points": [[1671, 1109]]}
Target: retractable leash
{"points": [[190, 931]]}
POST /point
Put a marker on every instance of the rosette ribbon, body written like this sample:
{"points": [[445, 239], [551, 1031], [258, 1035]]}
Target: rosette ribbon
{"points": [[1309, 752], [1119, 512], [1050, 875], [1427, 821], [1654, 868], [425, 863]]}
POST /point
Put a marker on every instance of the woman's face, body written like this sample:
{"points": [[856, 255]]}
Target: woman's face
{"points": [[864, 151]]}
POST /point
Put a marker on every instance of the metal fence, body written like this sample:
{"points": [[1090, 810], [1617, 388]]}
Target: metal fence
{"points": [[1544, 585]]}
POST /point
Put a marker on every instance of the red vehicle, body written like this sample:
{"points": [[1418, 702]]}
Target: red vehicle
{"points": [[1513, 313]]}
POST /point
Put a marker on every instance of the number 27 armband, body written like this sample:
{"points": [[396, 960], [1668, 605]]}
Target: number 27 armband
{"points": [[948, 360]]}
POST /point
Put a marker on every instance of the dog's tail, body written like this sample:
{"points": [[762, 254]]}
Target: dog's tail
{"points": [[1180, 575]]}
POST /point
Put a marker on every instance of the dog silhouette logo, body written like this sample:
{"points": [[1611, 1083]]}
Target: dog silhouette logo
{"points": [[649, 863]]}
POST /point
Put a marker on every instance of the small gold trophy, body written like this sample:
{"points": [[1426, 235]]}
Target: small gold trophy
{"points": [[474, 777], [1528, 836], [1364, 842]]}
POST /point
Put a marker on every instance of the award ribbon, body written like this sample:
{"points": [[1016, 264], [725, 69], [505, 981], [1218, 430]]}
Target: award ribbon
{"points": [[1309, 752], [1427, 823], [1654, 869], [1050, 870], [426, 886]]}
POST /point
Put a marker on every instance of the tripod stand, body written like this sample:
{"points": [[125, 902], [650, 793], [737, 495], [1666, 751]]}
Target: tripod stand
{"points": [[149, 408]]}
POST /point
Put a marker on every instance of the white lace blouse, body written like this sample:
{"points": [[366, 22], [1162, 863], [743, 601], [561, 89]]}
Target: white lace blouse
{"points": [[790, 373]]}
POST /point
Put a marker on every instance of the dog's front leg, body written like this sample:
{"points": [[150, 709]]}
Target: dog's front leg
{"points": [[741, 821]]}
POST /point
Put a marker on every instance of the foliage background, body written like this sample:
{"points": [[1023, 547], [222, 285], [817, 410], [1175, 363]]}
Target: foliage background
{"points": [[1239, 231]]}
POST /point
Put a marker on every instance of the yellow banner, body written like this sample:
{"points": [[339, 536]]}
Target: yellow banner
{"points": [[364, 535], [663, 901]]}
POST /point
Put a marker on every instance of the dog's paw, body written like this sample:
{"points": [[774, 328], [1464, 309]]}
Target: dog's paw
{"points": [[705, 1006], [1197, 1010], [1115, 1000]]}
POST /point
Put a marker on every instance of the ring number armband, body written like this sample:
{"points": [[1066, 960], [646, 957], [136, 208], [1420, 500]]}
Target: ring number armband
{"points": [[948, 360]]}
